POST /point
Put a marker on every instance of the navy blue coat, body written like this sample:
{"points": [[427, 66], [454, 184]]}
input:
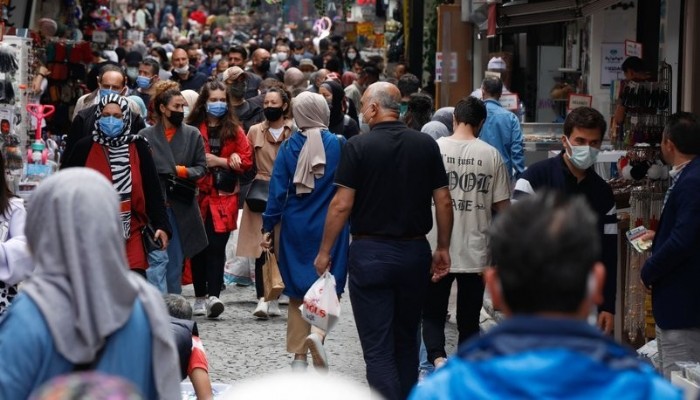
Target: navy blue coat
{"points": [[673, 270]]}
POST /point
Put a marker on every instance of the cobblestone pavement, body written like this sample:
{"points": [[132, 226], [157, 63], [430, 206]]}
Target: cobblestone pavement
{"points": [[239, 346]]}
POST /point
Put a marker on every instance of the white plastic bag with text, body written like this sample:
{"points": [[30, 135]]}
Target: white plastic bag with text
{"points": [[321, 307]]}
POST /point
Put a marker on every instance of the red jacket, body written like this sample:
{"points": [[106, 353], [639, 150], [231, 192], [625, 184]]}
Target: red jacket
{"points": [[223, 207]]}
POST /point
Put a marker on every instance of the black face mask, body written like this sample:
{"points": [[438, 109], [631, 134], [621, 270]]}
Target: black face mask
{"points": [[176, 118], [238, 89], [273, 113], [264, 66]]}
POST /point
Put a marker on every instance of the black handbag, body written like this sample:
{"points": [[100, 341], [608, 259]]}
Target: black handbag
{"points": [[182, 190], [150, 243], [224, 180], [256, 198]]}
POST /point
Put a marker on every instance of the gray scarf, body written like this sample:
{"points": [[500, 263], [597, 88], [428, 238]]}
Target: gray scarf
{"points": [[82, 284]]}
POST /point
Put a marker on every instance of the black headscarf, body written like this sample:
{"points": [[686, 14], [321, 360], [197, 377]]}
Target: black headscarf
{"points": [[336, 121]]}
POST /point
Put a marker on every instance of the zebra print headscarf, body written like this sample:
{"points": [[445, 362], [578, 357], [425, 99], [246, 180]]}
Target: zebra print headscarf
{"points": [[118, 156]]}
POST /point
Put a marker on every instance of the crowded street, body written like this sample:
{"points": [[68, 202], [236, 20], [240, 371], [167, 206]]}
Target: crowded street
{"points": [[349, 199]]}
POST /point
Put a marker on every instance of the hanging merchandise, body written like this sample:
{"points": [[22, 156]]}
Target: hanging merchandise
{"points": [[8, 59]]}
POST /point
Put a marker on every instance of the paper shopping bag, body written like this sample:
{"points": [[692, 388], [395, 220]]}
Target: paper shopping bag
{"points": [[272, 280], [321, 307]]}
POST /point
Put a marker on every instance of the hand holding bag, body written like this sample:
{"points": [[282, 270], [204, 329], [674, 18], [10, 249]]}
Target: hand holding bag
{"points": [[257, 195], [321, 307], [180, 189], [272, 280], [150, 243]]}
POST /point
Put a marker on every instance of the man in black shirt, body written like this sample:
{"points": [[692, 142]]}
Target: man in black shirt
{"points": [[386, 182], [571, 173], [185, 74]]}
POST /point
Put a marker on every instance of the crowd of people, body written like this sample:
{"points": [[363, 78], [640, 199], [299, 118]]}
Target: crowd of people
{"points": [[364, 181]]}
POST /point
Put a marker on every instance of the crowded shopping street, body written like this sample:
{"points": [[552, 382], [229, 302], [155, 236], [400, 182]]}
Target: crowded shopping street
{"points": [[349, 199]]}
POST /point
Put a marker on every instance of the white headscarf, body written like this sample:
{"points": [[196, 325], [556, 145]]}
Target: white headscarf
{"points": [[311, 115], [82, 284]]}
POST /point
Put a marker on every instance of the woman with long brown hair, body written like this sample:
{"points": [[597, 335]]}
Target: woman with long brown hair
{"points": [[178, 152], [228, 154]]}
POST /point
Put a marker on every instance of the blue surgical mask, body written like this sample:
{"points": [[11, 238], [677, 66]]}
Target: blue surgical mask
{"points": [[111, 126], [107, 92], [217, 108], [583, 157], [143, 82]]}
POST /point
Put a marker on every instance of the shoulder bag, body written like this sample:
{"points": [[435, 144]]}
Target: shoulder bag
{"points": [[257, 195], [180, 189]]}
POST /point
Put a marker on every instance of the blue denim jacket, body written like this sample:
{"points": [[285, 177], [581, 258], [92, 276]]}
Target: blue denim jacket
{"points": [[502, 131]]}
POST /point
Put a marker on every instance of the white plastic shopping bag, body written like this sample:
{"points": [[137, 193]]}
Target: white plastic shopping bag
{"points": [[321, 307]]}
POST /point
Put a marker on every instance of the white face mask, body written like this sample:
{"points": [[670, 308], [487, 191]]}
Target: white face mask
{"points": [[583, 157], [182, 70], [352, 55], [216, 58], [282, 56]]}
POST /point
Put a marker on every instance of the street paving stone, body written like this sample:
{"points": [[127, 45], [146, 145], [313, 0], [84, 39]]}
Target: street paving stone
{"points": [[239, 346]]}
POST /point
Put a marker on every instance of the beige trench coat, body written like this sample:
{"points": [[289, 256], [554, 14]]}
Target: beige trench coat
{"points": [[265, 149]]}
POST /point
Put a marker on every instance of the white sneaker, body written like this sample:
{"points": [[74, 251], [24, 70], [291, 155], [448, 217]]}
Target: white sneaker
{"points": [[261, 311], [214, 307], [273, 309], [284, 300], [200, 307]]}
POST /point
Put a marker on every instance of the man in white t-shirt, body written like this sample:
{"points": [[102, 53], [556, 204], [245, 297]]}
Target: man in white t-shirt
{"points": [[479, 183]]}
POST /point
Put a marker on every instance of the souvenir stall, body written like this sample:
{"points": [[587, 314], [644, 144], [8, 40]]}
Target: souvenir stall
{"points": [[640, 189]]}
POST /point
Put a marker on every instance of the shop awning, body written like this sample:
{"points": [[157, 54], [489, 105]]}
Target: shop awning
{"points": [[519, 13]]}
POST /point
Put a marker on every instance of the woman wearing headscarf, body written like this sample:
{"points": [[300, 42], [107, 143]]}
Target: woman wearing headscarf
{"points": [[301, 190], [228, 155], [265, 138], [126, 160], [82, 309], [178, 152], [340, 124]]}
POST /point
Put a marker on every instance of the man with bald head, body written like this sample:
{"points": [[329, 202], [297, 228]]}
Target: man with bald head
{"points": [[294, 81], [261, 64], [386, 182], [184, 73]]}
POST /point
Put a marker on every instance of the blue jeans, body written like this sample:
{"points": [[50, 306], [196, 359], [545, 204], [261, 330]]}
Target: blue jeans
{"points": [[424, 364], [157, 266], [176, 258], [388, 280]]}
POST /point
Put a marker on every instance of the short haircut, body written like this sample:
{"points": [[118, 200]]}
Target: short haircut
{"points": [[385, 100], [587, 118], [633, 64], [470, 111], [683, 130], [153, 64], [420, 109], [408, 84], [112, 68], [178, 306], [240, 50], [492, 85], [544, 248], [371, 71]]}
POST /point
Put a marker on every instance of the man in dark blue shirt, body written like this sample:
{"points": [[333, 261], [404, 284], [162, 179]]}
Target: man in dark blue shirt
{"points": [[571, 173]]}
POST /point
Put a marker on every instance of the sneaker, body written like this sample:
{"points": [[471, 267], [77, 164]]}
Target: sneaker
{"points": [[318, 352], [299, 365], [284, 300], [261, 309], [200, 307], [273, 309], [214, 307]]}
